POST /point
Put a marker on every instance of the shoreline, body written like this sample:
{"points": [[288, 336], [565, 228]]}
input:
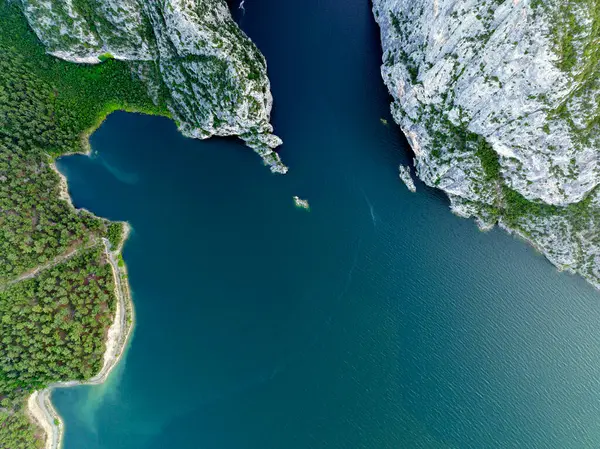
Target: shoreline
{"points": [[40, 410], [39, 405], [63, 188]]}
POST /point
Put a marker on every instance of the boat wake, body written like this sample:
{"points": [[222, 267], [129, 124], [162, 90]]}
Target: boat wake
{"points": [[371, 209]]}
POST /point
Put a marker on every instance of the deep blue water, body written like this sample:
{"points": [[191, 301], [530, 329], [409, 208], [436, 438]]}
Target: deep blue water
{"points": [[376, 320]]}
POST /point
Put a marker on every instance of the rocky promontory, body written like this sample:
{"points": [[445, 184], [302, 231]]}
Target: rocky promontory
{"points": [[499, 101], [190, 53]]}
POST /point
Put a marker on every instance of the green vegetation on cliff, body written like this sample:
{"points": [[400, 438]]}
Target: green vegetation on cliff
{"points": [[502, 202], [56, 287], [575, 28]]}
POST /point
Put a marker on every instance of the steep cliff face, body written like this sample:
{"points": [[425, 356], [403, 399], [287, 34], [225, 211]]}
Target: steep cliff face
{"points": [[500, 101], [190, 52]]}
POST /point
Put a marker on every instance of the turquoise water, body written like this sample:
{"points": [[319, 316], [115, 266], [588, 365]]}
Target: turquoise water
{"points": [[376, 320]]}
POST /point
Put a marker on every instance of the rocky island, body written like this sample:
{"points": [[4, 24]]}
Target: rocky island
{"points": [[299, 202], [499, 102], [406, 178]]}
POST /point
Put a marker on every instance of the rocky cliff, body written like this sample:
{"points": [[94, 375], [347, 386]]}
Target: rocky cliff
{"points": [[500, 102], [191, 54]]}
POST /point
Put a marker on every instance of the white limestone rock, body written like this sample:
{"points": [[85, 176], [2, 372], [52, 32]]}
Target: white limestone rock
{"points": [[406, 178], [500, 102], [215, 77], [490, 67], [300, 203]]}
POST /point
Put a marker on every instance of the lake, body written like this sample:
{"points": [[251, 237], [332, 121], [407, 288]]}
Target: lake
{"points": [[376, 320]]}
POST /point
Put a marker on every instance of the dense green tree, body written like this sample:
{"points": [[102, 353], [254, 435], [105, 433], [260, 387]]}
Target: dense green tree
{"points": [[16, 431], [56, 288]]}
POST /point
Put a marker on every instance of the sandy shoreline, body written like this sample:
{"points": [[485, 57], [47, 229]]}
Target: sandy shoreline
{"points": [[39, 405], [63, 188]]}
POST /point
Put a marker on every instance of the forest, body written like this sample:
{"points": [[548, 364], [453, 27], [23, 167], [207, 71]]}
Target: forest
{"points": [[56, 287]]}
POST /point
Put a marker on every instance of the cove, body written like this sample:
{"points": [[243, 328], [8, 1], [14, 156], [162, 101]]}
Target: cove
{"points": [[376, 320]]}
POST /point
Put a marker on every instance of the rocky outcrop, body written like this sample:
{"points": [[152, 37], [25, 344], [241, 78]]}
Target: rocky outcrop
{"points": [[406, 178], [189, 52], [500, 102]]}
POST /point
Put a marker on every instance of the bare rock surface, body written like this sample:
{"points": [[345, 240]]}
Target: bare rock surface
{"points": [[499, 100], [191, 52]]}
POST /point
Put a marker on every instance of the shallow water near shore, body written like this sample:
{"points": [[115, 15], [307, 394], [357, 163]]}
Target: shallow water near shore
{"points": [[376, 320]]}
